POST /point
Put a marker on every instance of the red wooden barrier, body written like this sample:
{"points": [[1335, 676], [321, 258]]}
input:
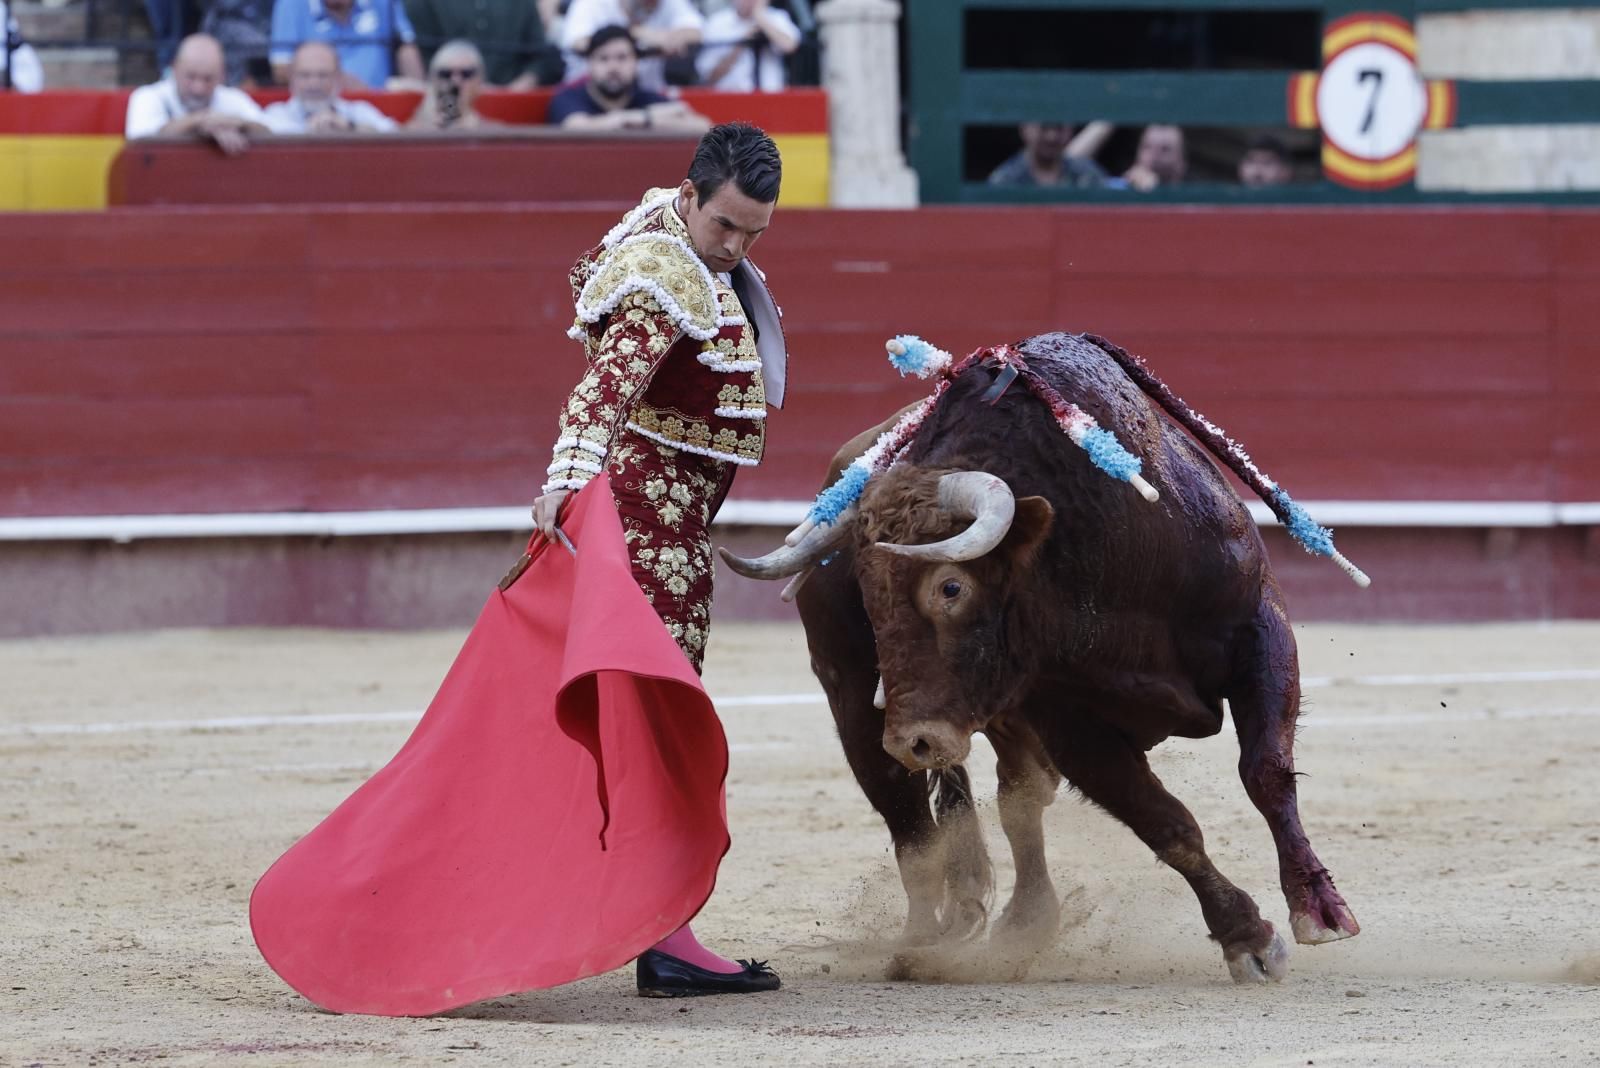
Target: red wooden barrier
{"points": [[530, 165], [244, 359]]}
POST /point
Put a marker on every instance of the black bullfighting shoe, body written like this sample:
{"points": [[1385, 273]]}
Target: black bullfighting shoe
{"points": [[661, 976]]}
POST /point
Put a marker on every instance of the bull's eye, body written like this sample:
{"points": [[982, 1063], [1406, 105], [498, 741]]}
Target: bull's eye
{"points": [[951, 590]]}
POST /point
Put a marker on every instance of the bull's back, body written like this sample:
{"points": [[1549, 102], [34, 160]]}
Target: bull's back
{"points": [[1113, 548]]}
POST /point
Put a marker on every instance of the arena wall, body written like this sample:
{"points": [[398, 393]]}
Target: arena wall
{"points": [[305, 359]]}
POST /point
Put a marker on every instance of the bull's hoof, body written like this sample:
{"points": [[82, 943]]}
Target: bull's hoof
{"points": [[1312, 929], [1268, 965], [963, 920], [1032, 921]]}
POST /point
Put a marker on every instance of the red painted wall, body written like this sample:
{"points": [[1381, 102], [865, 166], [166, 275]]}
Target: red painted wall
{"points": [[410, 356]]}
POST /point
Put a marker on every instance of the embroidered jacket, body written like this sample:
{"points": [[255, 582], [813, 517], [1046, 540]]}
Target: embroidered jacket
{"points": [[672, 353]]}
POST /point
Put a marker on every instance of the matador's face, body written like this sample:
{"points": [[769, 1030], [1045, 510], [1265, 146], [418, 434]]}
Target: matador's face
{"points": [[724, 227]]}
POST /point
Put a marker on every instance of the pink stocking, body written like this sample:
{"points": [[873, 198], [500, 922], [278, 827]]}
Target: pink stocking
{"points": [[683, 945]]}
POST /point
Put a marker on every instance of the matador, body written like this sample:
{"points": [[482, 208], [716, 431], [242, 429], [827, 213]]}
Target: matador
{"points": [[684, 353]]}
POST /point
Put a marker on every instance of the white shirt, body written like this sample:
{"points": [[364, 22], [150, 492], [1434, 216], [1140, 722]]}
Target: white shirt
{"points": [[290, 116], [585, 17], [27, 73], [151, 107], [726, 27]]}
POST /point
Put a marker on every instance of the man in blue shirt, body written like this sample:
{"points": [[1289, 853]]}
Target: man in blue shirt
{"points": [[610, 97], [374, 38]]}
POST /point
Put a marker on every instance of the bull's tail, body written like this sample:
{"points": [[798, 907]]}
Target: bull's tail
{"points": [[969, 877], [1316, 539]]}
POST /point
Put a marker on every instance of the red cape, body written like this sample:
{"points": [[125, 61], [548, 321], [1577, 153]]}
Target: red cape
{"points": [[558, 810]]}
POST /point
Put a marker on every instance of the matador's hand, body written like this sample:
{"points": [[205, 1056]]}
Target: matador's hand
{"points": [[547, 511]]}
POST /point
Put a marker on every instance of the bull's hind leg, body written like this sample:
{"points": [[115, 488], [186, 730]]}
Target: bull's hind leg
{"points": [[1265, 703], [1111, 772], [1028, 784]]}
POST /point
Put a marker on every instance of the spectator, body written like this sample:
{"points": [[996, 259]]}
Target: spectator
{"points": [[169, 20], [1266, 162], [747, 42], [25, 70], [455, 81], [1044, 160], [1160, 160], [672, 28], [509, 33], [314, 105], [550, 14], [193, 102], [245, 29], [610, 97], [374, 38]]}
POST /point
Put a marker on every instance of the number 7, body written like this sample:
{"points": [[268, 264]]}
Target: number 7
{"points": [[1376, 78]]}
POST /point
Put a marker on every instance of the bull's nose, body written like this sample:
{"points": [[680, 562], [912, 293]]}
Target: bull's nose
{"points": [[928, 744]]}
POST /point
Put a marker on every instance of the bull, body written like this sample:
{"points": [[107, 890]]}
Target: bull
{"points": [[993, 581]]}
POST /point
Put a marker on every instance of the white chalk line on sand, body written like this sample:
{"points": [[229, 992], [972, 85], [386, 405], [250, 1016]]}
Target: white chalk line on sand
{"points": [[1310, 682]]}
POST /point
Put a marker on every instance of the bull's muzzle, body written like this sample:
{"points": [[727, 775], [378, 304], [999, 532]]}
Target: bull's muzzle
{"points": [[924, 744]]}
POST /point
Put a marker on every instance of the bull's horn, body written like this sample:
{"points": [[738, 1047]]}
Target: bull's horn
{"points": [[977, 495], [789, 560]]}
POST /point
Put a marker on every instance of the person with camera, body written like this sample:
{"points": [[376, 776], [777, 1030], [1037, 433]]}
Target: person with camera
{"points": [[455, 81], [610, 98], [314, 105]]}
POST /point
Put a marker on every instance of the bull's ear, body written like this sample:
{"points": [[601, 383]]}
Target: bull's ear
{"points": [[1029, 528]]}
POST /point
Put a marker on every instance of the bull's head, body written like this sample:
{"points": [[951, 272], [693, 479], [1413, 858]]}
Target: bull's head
{"points": [[941, 556]]}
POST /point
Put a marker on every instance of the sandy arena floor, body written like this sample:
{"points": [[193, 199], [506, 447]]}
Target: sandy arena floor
{"points": [[146, 780]]}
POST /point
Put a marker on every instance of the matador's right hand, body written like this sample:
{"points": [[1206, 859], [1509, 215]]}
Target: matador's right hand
{"points": [[547, 511]]}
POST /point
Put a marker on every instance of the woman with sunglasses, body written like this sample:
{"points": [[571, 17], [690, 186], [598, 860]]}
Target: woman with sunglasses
{"points": [[455, 80]]}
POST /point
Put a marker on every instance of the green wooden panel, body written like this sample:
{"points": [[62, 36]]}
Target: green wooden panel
{"points": [[934, 53], [1432, 6], [1239, 196], [1516, 103], [1241, 98], [944, 99]]}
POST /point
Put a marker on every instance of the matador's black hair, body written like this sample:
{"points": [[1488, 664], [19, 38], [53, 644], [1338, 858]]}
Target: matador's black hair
{"points": [[741, 153]]}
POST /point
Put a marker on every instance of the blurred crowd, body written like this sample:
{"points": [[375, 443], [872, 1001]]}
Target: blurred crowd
{"points": [[1057, 154], [736, 45], [617, 62]]}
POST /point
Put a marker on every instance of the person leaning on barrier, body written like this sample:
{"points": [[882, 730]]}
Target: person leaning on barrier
{"points": [[1265, 163], [193, 102], [1161, 159], [610, 97], [314, 105], [1051, 156], [455, 81], [374, 38], [746, 43]]}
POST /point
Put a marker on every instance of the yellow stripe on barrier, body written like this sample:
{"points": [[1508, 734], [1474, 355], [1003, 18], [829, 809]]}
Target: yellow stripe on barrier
{"points": [[50, 172], [55, 172], [805, 169]]}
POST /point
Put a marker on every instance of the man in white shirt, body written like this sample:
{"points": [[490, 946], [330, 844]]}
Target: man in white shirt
{"points": [[314, 105], [666, 27], [193, 102], [27, 73], [745, 45]]}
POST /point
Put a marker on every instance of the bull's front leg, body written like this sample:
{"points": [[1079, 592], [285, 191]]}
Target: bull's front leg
{"points": [[1265, 703], [898, 795], [1028, 784]]}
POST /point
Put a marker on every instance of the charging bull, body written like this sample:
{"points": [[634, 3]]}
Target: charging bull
{"points": [[993, 580]]}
